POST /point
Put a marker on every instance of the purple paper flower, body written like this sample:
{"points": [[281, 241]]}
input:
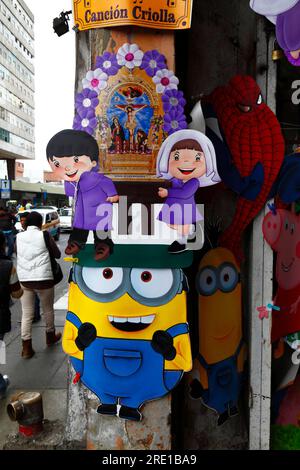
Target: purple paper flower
{"points": [[87, 122], [173, 100], [174, 121], [152, 62], [86, 100], [108, 63]]}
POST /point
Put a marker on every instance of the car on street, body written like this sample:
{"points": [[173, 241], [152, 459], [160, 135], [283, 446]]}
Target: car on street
{"points": [[51, 221], [65, 216]]}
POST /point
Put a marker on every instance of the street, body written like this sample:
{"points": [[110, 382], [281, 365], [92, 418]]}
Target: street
{"points": [[46, 372]]}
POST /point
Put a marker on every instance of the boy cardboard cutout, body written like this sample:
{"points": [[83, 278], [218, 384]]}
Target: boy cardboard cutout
{"points": [[187, 158], [73, 156]]}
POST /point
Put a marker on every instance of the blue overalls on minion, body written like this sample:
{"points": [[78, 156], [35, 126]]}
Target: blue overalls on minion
{"points": [[224, 383], [127, 371]]}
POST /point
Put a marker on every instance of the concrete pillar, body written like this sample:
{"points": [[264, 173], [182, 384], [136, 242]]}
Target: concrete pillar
{"points": [[11, 169]]}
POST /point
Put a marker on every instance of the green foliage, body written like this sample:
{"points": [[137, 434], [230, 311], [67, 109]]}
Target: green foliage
{"points": [[285, 437]]}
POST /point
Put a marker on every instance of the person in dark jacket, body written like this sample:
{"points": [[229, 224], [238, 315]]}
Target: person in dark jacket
{"points": [[7, 226], [9, 287]]}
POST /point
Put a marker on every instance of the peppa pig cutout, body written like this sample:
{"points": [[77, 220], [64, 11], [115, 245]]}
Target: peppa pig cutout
{"points": [[282, 233]]}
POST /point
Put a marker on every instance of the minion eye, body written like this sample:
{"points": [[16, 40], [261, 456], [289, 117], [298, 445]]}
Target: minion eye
{"points": [[259, 100], [152, 283], [146, 276], [102, 280], [229, 277], [207, 281]]}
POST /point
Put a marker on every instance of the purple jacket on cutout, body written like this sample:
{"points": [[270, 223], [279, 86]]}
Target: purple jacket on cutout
{"points": [[180, 208], [287, 29], [92, 211]]}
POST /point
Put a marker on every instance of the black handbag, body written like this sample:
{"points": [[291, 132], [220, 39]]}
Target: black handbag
{"points": [[56, 269]]}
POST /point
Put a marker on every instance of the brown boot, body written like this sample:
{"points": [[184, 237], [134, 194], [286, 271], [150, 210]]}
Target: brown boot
{"points": [[27, 351], [52, 337], [72, 248], [102, 251]]}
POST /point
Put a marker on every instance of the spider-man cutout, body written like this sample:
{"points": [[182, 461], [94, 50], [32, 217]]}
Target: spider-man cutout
{"points": [[253, 135]]}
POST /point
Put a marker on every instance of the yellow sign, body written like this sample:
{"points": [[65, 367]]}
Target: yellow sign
{"points": [[159, 14]]}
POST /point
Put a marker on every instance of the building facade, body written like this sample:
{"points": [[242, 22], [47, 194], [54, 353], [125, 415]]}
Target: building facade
{"points": [[16, 83]]}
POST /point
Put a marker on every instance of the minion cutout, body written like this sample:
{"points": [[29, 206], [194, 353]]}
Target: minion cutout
{"points": [[126, 330], [221, 357]]}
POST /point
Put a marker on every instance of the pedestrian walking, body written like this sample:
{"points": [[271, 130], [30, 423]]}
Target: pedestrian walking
{"points": [[36, 251], [37, 308], [9, 288], [7, 226]]}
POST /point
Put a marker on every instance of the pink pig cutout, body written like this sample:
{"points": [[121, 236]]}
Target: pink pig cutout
{"points": [[282, 233]]}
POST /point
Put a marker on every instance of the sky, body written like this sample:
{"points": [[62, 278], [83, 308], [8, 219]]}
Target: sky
{"points": [[54, 80]]}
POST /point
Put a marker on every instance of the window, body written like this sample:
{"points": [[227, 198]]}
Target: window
{"points": [[4, 135]]}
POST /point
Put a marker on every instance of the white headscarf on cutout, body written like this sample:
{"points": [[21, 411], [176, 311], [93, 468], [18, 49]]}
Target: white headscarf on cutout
{"points": [[272, 8], [162, 165]]}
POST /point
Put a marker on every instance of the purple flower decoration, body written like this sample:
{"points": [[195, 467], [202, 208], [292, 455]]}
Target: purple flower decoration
{"points": [[173, 100], [108, 63], [86, 100], [87, 122], [174, 121], [152, 62]]}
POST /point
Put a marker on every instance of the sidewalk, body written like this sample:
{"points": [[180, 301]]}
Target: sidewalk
{"points": [[46, 372]]}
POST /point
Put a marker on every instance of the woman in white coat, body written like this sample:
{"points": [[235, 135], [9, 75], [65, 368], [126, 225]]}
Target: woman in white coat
{"points": [[36, 277]]}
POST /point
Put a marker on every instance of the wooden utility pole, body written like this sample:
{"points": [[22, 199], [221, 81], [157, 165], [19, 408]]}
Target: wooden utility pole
{"points": [[86, 427]]}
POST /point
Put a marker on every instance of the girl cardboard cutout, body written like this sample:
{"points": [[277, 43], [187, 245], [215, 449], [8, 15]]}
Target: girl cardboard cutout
{"points": [[73, 156], [187, 158]]}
